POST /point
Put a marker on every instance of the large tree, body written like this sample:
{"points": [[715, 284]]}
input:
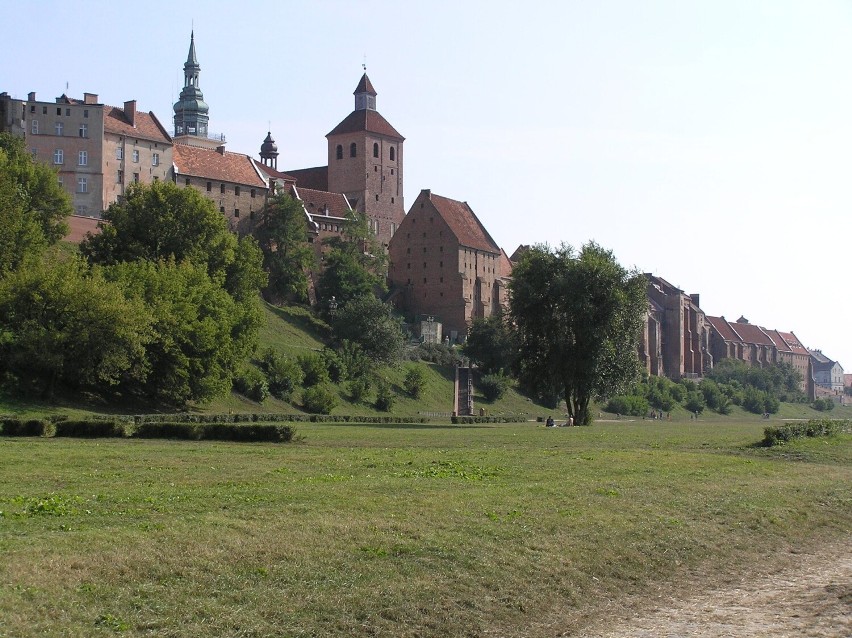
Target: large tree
{"points": [[33, 206], [369, 323], [287, 255], [490, 344], [578, 318]]}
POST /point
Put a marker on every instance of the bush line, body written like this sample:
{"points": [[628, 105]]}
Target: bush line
{"points": [[779, 434]]}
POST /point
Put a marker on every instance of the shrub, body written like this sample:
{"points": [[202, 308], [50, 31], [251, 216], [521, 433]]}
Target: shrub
{"points": [[359, 388], [494, 386], [823, 404], [314, 369], [251, 383], [385, 397], [628, 404], [415, 381], [283, 375], [695, 401], [439, 353], [778, 434], [319, 399], [17, 427], [90, 428], [335, 365]]}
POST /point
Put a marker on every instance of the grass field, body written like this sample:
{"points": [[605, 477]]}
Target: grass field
{"points": [[428, 530]]}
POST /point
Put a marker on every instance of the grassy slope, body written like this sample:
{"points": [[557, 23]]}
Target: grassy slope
{"points": [[510, 530]]}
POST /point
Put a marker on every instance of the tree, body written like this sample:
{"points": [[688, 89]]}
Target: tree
{"points": [[33, 206], [368, 322], [489, 344], [354, 266], [577, 319], [62, 324], [287, 256]]}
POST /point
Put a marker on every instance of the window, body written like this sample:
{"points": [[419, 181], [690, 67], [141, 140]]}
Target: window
{"points": [[35, 127], [221, 209], [135, 178], [375, 149], [135, 155], [222, 189], [58, 157], [377, 197], [236, 190], [251, 214], [187, 181], [59, 128], [68, 112], [83, 158], [209, 186], [353, 150], [236, 212], [339, 151], [252, 192], [60, 181], [392, 200], [391, 171], [392, 154], [82, 185], [59, 110], [120, 176], [85, 112], [32, 108], [119, 152], [44, 110], [155, 159], [84, 130]]}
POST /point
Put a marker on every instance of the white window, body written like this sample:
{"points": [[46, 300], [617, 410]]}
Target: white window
{"points": [[83, 158], [58, 156], [35, 127], [59, 126], [82, 185], [60, 181], [135, 155], [119, 152], [155, 159], [84, 130]]}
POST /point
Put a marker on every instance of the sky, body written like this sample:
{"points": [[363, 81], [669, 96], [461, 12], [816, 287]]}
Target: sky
{"points": [[706, 142]]}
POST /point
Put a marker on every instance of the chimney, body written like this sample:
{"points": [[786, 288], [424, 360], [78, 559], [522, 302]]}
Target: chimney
{"points": [[695, 297], [31, 96], [130, 112], [90, 98], [220, 149]]}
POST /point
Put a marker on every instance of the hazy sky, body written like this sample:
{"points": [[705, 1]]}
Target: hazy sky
{"points": [[707, 142]]}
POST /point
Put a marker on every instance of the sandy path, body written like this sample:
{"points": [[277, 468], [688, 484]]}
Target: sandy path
{"points": [[811, 595]]}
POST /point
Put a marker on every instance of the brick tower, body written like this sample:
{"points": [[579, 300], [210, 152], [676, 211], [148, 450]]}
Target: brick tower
{"points": [[365, 163]]}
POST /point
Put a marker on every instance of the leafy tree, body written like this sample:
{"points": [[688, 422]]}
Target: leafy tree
{"points": [[489, 344], [283, 374], [355, 266], [695, 401], [33, 206], [313, 368], [319, 399], [287, 255], [415, 381], [368, 322], [629, 404], [64, 325], [385, 397], [494, 386], [578, 318], [198, 338], [251, 383]]}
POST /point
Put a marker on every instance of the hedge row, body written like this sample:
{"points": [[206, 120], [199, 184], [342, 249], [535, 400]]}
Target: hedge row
{"points": [[488, 419], [102, 428], [778, 434], [261, 418]]}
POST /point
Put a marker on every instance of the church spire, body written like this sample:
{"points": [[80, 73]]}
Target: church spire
{"points": [[365, 94], [191, 111]]}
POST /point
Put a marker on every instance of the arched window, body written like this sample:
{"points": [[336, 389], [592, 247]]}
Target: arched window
{"points": [[353, 149], [392, 154], [375, 149], [339, 151]]}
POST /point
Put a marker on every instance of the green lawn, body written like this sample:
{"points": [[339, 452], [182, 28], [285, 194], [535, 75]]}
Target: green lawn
{"points": [[427, 530]]}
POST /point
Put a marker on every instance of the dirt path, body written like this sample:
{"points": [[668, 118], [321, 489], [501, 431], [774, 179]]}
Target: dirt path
{"points": [[810, 595]]}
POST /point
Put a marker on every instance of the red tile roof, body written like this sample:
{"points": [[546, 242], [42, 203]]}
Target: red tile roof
{"points": [[366, 120], [365, 86], [315, 178], [724, 328], [505, 264], [147, 127], [793, 342], [751, 333], [519, 252], [276, 174], [464, 224], [322, 202], [223, 167]]}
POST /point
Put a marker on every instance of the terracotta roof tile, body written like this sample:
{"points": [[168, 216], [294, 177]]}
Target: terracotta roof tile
{"points": [[366, 120], [224, 167], [315, 178], [79, 227], [147, 127], [751, 333], [365, 86], [464, 224], [505, 264], [274, 173], [322, 202], [724, 329], [794, 343]]}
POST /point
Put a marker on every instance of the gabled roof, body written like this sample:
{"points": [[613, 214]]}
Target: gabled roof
{"points": [[520, 251], [505, 264], [147, 127], [322, 202], [276, 174], [819, 357], [751, 333], [464, 224], [223, 167], [724, 329], [793, 343], [315, 178], [365, 120]]}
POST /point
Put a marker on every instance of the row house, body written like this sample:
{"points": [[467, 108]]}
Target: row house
{"points": [[828, 374]]}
